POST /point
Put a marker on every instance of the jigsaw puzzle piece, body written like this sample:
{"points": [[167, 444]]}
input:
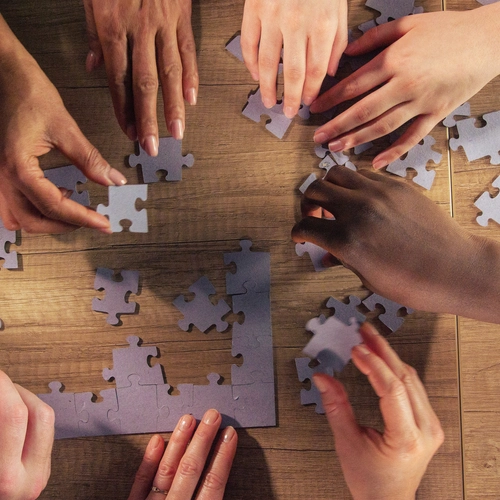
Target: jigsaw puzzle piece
{"points": [[63, 404], [7, 238], [344, 312], [234, 47], [307, 183], [340, 158], [250, 267], [115, 301], [361, 148], [463, 110], [169, 159], [134, 360], [316, 254], [257, 363], [417, 158], [94, 415], [172, 407], [69, 177], [391, 9], [200, 311], [390, 316], [255, 405], [305, 372], [489, 206], [121, 206]]}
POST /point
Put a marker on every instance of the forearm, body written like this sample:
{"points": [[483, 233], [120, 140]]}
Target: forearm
{"points": [[484, 21]]}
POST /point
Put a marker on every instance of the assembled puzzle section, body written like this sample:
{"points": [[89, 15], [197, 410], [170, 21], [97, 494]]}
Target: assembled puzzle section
{"points": [[69, 177], [8, 238], [489, 206], [170, 160], [117, 288], [121, 206]]}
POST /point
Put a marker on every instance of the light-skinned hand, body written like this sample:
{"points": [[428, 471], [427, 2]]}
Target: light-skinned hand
{"points": [[313, 36], [387, 466], [181, 469]]}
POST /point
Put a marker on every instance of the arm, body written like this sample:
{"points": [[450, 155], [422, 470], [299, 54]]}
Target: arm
{"points": [[34, 121], [402, 245], [160, 40], [386, 466], [433, 63], [313, 36], [26, 437], [177, 470]]}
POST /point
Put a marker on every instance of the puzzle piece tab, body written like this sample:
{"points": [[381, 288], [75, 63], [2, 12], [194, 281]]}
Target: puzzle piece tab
{"points": [[489, 206], [390, 316], [94, 415], [344, 312], [115, 301], [316, 254], [463, 110], [69, 177], [169, 159], [391, 9], [121, 206], [305, 372], [7, 238]]}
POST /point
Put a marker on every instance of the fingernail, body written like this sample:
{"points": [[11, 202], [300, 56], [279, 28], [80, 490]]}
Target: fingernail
{"points": [[255, 76], [105, 229], [289, 112], [90, 61], [378, 164], [268, 103], [368, 329], [185, 422], [362, 349], [132, 132], [116, 177], [191, 96], [151, 145], [228, 434], [320, 138], [320, 384], [210, 416], [154, 443], [177, 129], [336, 146], [307, 100]]}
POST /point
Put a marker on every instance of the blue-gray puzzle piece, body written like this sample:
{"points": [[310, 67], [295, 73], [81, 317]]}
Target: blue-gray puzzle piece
{"points": [[7, 237], [390, 316], [69, 177]]}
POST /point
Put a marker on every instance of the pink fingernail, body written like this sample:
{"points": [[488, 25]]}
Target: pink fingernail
{"points": [[336, 146], [185, 422], [255, 76], [320, 138], [210, 416], [150, 145], [116, 177], [90, 61], [191, 96], [268, 103], [362, 349], [320, 384], [177, 129], [289, 112], [308, 100], [228, 434], [378, 164], [154, 443]]}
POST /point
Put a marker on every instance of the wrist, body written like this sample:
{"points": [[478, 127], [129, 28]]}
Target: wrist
{"points": [[487, 22]]}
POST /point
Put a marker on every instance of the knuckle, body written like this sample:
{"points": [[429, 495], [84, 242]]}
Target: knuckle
{"points": [[146, 85], [315, 71], [383, 127], [294, 74], [45, 414], [17, 415], [190, 467], [172, 71], [268, 63], [351, 88], [362, 113], [214, 482], [437, 434], [396, 389], [166, 471], [187, 45], [142, 476]]}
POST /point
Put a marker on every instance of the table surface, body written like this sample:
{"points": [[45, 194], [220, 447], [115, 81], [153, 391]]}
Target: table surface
{"points": [[238, 188]]}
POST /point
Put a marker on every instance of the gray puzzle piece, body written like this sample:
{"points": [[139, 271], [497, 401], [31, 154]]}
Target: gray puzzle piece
{"points": [[417, 159], [121, 206], [250, 267], [172, 407], [489, 206], [329, 162], [234, 47], [361, 148], [169, 159], [344, 312], [463, 110], [307, 183], [391, 9], [255, 405], [340, 158], [69, 177], [479, 142], [7, 237], [257, 363], [134, 360], [114, 302], [200, 311], [390, 316], [63, 404], [316, 254], [305, 372], [94, 415]]}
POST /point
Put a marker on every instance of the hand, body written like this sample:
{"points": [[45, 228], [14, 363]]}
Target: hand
{"points": [[26, 437], [386, 466], [401, 244], [314, 36], [434, 63], [177, 469], [34, 121], [137, 42]]}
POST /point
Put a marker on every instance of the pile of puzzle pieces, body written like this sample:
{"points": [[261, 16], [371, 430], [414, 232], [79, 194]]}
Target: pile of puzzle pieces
{"points": [[141, 400], [335, 336]]}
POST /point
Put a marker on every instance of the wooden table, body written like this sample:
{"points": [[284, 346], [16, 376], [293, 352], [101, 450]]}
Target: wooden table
{"points": [[243, 185]]}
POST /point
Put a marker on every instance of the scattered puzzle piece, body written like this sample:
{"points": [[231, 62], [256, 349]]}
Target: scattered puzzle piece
{"points": [[489, 206], [390, 316], [417, 159], [234, 47], [344, 312], [200, 311], [479, 142], [392, 9], [463, 110], [121, 206], [133, 360], [115, 302], [169, 159], [6, 239], [339, 157], [69, 177], [307, 183], [316, 254]]}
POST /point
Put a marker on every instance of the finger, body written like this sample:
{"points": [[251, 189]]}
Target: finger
{"points": [[294, 73], [187, 50], [215, 478], [412, 136], [115, 53], [39, 434], [146, 472], [192, 463], [170, 67], [250, 36], [316, 64], [338, 410], [94, 56], [172, 457], [8, 219], [269, 57], [379, 36], [395, 405], [366, 78], [326, 234], [340, 43]]}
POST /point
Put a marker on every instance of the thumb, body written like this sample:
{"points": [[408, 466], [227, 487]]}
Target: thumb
{"points": [[94, 56], [337, 408], [70, 140]]}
